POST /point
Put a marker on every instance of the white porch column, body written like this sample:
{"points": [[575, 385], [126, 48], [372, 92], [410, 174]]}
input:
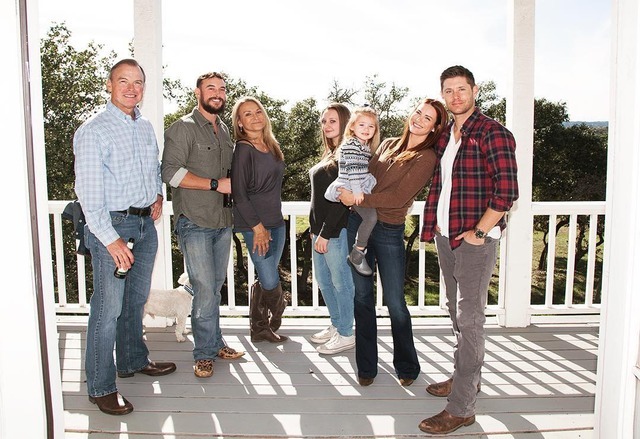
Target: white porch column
{"points": [[29, 358], [147, 48], [520, 99], [617, 383]]}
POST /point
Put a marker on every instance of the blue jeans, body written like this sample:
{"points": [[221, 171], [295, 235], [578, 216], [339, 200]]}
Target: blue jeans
{"points": [[115, 316], [466, 272], [336, 283], [206, 255], [386, 247], [267, 265]]}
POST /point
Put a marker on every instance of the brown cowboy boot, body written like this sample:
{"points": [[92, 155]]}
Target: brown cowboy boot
{"points": [[259, 317], [276, 302], [257, 311]]}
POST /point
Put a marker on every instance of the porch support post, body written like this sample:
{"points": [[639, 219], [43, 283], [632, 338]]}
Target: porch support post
{"points": [[31, 390], [616, 405], [147, 47], [516, 262]]}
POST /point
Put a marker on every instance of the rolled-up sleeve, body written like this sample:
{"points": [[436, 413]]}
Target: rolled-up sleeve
{"points": [[175, 154]]}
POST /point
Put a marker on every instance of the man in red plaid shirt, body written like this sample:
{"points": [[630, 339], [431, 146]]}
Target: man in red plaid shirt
{"points": [[474, 185]]}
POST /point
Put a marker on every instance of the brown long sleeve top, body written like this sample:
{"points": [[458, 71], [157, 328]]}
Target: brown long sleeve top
{"points": [[398, 183]]}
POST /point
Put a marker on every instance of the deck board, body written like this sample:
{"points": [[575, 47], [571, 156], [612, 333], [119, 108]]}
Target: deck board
{"points": [[538, 382]]}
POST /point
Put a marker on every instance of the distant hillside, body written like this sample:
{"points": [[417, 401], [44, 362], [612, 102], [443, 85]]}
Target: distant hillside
{"points": [[601, 124]]}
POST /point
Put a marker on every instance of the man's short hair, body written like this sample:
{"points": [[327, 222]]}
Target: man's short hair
{"points": [[129, 62], [209, 76], [454, 71]]}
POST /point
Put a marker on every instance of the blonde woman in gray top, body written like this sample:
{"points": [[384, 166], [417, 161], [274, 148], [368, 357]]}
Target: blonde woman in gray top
{"points": [[257, 172]]}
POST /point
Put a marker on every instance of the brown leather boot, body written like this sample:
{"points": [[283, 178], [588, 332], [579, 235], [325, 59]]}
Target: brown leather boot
{"points": [[259, 317], [276, 302], [443, 388], [444, 423]]}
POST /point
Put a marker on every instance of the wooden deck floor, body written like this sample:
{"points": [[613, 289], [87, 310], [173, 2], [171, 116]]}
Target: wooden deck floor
{"points": [[537, 382]]}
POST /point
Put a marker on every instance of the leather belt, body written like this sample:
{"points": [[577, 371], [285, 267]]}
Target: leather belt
{"points": [[139, 211]]}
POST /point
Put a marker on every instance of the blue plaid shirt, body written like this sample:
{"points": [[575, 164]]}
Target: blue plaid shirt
{"points": [[116, 167]]}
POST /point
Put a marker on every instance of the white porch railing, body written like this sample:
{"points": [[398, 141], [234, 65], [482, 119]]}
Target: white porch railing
{"points": [[551, 210]]}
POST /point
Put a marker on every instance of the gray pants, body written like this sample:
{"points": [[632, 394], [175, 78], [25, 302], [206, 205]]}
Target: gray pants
{"points": [[467, 272], [369, 217]]}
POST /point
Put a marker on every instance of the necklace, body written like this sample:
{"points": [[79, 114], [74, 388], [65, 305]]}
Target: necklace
{"points": [[259, 145]]}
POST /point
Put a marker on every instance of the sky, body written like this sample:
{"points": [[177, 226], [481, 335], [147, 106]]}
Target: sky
{"points": [[296, 49]]}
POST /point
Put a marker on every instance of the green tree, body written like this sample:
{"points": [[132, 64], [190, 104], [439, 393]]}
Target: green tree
{"points": [[73, 86], [388, 102], [302, 148], [341, 95], [490, 103]]}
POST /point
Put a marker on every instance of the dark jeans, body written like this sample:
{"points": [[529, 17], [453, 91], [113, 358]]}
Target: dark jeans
{"points": [[386, 248]]}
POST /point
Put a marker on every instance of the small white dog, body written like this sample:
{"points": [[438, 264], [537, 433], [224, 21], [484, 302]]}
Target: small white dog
{"points": [[173, 304]]}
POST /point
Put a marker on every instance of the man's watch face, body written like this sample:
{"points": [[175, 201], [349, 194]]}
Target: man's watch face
{"points": [[480, 234]]}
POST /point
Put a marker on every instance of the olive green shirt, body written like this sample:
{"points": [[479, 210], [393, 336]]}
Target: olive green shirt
{"points": [[191, 144]]}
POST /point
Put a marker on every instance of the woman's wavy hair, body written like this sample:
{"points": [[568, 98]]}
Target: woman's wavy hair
{"points": [[397, 150], [267, 132], [331, 145]]}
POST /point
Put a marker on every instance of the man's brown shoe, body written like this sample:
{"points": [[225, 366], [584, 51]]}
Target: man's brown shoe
{"points": [[365, 381], [203, 368], [152, 369], [443, 388], [112, 404], [444, 423], [227, 353]]}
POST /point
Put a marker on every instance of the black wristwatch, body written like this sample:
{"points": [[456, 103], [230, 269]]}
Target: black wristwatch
{"points": [[480, 234], [214, 184]]}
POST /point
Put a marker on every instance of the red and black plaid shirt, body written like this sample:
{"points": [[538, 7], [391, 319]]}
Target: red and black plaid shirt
{"points": [[484, 175]]}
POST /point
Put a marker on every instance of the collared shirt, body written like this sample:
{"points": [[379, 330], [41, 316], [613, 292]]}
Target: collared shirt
{"points": [[484, 176], [191, 144], [116, 167]]}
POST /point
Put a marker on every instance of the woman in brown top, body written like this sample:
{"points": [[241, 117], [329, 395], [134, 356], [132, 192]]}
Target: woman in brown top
{"points": [[402, 166]]}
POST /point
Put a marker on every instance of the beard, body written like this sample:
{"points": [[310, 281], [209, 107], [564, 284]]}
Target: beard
{"points": [[211, 109]]}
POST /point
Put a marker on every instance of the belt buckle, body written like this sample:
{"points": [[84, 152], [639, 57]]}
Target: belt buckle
{"points": [[139, 211]]}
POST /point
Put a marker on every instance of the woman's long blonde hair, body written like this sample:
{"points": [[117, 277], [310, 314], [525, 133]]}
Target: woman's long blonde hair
{"points": [[267, 133]]}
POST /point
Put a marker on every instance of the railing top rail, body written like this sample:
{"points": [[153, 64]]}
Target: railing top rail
{"points": [[568, 207]]}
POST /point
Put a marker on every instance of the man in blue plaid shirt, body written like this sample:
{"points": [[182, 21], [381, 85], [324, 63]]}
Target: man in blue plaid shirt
{"points": [[119, 188]]}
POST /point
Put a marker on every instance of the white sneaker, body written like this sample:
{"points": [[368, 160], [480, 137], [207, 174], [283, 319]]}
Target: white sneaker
{"points": [[324, 335], [338, 343]]}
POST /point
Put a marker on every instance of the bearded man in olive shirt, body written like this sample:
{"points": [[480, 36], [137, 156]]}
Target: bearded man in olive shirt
{"points": [[196, 158]]}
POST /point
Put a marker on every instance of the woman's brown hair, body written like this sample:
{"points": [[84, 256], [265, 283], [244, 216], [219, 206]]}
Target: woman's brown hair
{"points": [[331, 145], [398, 152]]}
